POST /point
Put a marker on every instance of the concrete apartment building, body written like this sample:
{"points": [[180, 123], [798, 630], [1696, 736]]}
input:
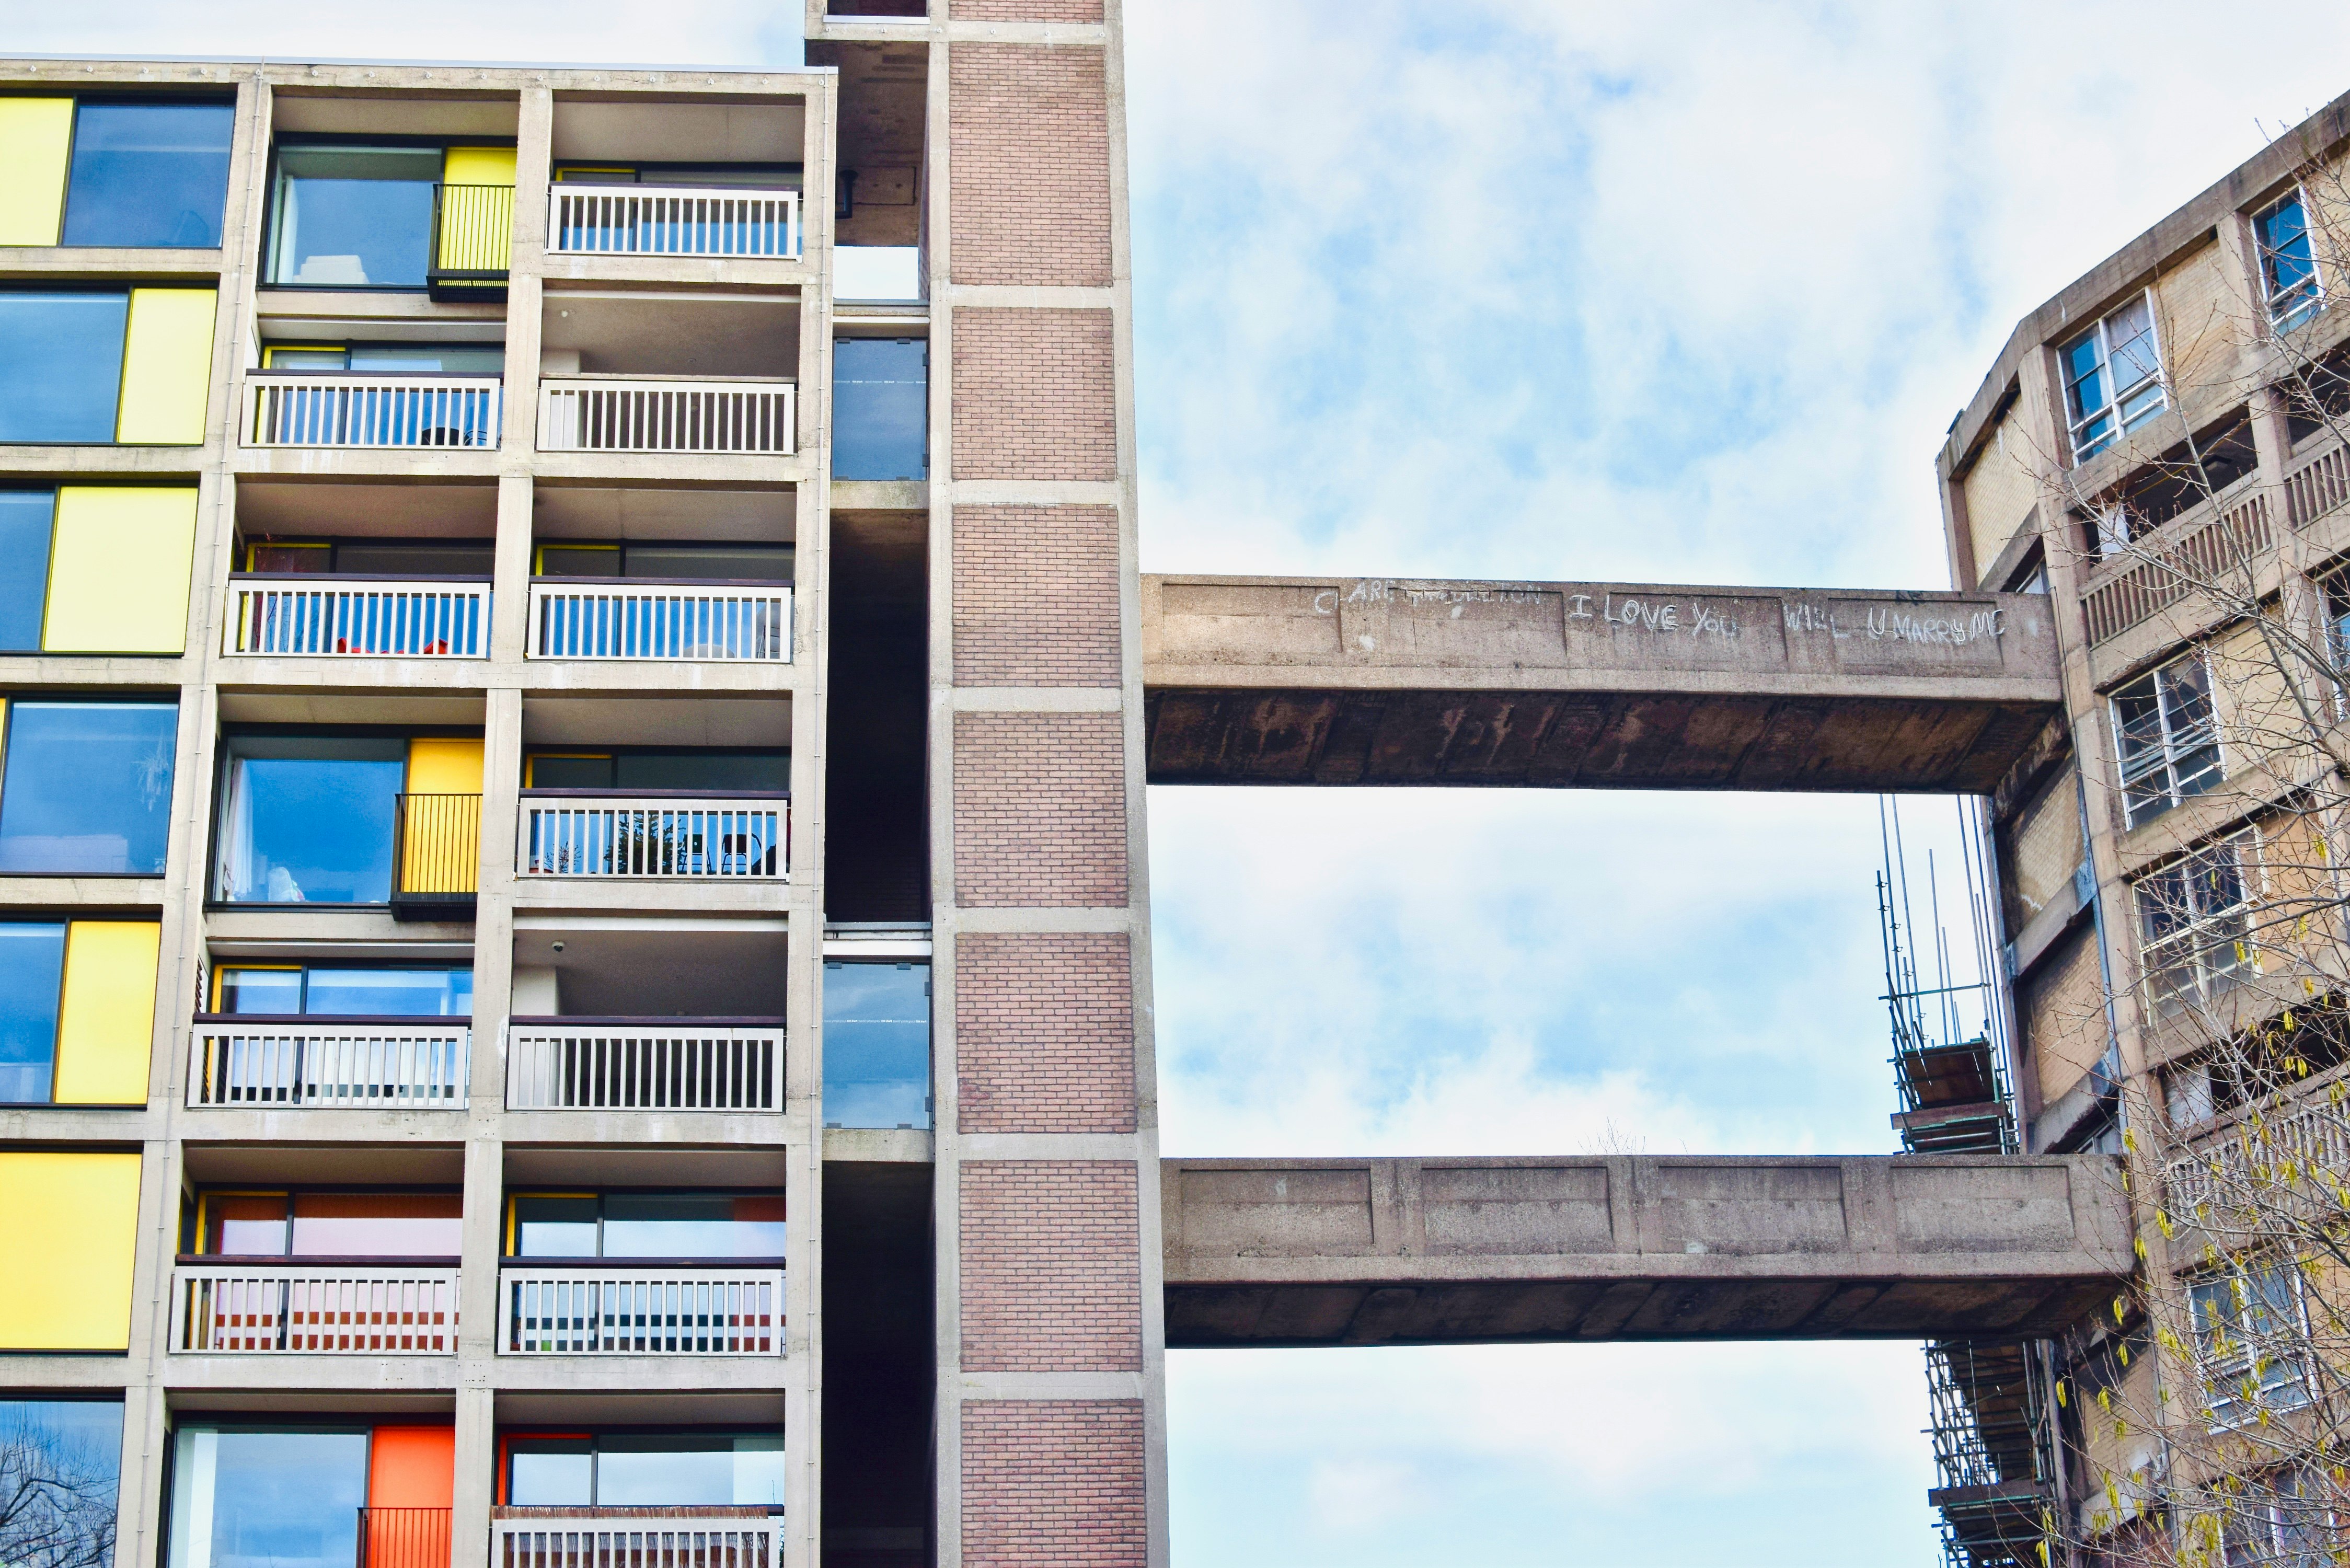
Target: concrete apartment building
{"points": [[576, 982]]}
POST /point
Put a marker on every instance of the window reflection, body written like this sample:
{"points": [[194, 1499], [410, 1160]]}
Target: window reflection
{"points": [[26, 517], [267, 1498], [64, 1466], [646, 1469], [876, 1044], [307, 820], [353, 217], [87, 787], [63, 354], [881, 390], [32, 973], [149, 173], [696, 1225]]}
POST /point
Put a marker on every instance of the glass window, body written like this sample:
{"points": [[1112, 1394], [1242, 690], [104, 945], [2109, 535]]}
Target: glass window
{"points": [[442, 358], [2191, 927], [60, 365], [2113, 378], [244, 1224], [881, 408], [712, 772], [378, 1225], [308, 819], [2288, 266], [391, 992], [2168, 737], [697, 1225], [580, 561], [60, 1466], [647, 1471], [267, 1498], [2246, 1338], [32, 978], [149, 173], [451, 558], [25, 517], [710, 563], [87, 787], [353, 217], [273, 991], [876, 1044]]}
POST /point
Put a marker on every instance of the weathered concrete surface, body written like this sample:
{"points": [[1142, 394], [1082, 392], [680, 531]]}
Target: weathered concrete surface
{"points": [[1450, 1252], [1335, 681]]}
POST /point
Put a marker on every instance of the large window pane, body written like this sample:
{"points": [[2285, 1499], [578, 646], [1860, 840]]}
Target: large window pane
{"points": [[377, 1225], [876, 1044], [707, 562], [662, 1225], [552, 1475], [60, 1465], [32, 973], [407, 993], [60, 365], [308, 821], [555, 1226], [149, 173], [881, 408], [680, 1471], [354, 217], [703, 769], [271, 1500], [25, 517], [87, 787]]}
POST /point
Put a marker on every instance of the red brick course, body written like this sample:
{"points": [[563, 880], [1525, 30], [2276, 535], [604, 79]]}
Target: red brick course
{"points": [[1044, 1032], [1054, 1483], [1035, 596], [1024, 11], [1036, 396], [1052, 1262], [1040, 810], [1028, 203]]}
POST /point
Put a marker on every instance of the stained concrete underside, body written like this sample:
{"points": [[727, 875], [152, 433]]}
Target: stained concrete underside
{"points": [[1370, 680], [1454, 1251]]}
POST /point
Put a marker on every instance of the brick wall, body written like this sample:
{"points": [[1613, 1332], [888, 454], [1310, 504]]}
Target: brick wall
{"points": [[1034, 395], [1024, 11], [1053, 1483], [1040, 809], [1028, 156], [1044, 1032], [1035, 596], [1051, 1266]]}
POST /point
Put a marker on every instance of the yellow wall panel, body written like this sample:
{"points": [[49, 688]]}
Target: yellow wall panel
{"points": [[106, 1021], [167, 367], [444, 765], [118, 569], [478, 166], [35, 139], [68, 1230]]}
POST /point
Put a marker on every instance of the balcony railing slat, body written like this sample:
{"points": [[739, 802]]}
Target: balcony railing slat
{"points": [[376, 1067], [666, 1064], [620, 1312], [748, 418], [344, 619], [715, 839], [244, 1309], [616, 620], [288, 408], [644, 1537], [674, 221]]}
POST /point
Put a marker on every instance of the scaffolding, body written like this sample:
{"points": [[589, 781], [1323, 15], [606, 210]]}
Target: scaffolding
{"points": [[1993, 1459]]}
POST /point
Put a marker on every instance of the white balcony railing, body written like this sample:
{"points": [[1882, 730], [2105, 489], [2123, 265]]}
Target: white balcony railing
{"points": [[634, 1538], [645, 1065], [641, 1312], [2278, 1152], [673, 414], [345, 618], [617, 834], [652, 618], [370, 1063], [238, 1309], [308, 408], [671, 221]]}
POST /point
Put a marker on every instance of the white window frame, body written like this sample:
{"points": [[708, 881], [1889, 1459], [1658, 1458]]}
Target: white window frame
{"points": [[2195, 960], [2222, 1360], [2293, 307], [2169, 764], [2117, 410], [2282, 1532]]}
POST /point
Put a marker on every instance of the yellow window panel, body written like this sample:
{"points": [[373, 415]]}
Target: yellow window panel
{"points": [[476, 209], [440, 836], [106, 1020], [68, 1231], [118, 568], [35, 141], [167, 367]]}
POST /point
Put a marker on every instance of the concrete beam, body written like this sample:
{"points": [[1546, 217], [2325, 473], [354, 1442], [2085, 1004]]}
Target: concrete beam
{"points": [[1343, 681], [1455, 1251]]}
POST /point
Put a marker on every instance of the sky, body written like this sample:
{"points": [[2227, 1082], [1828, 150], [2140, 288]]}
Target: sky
{"points": [[1652, 292]]}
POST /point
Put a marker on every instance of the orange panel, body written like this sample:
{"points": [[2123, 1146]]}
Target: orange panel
{"points": [[413, 1467]]}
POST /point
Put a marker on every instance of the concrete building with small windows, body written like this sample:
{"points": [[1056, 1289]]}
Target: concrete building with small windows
{"points": [[575, 968]]}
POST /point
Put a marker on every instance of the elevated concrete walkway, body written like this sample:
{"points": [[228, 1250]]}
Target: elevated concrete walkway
{"points": [[1348, 681], [1454, 1252]]}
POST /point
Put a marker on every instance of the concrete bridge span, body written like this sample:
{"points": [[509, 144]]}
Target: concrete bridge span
{"points": [[1460, 1250], [1366, 680]]}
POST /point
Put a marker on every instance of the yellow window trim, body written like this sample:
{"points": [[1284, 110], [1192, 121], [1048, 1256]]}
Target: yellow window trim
{"points": [[567, 170], [221, 969], [269, 351], [538, 555], [253, 544]]}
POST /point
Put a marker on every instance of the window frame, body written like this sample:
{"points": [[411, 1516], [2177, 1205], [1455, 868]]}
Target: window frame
{"points": [[195, 1228], [2085, 447], [511, 1228], [2174, 744], [12, 702], [590, 1441], [2286, 312], [273, 199], [2193, 938], [2213, 1360], [149, 101], [213, 983]]}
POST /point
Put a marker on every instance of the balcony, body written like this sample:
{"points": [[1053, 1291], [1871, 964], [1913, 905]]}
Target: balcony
{"points": [[620, 835], [705, 1536], [746, 416], [623, 1309], [2259, 1158], [310, 615], [645, 1065], [404, 1538], [270, 1308], [246, 1061], [648, 619], [672, 220], [473, 242], [436, 852], [347, 409]]}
